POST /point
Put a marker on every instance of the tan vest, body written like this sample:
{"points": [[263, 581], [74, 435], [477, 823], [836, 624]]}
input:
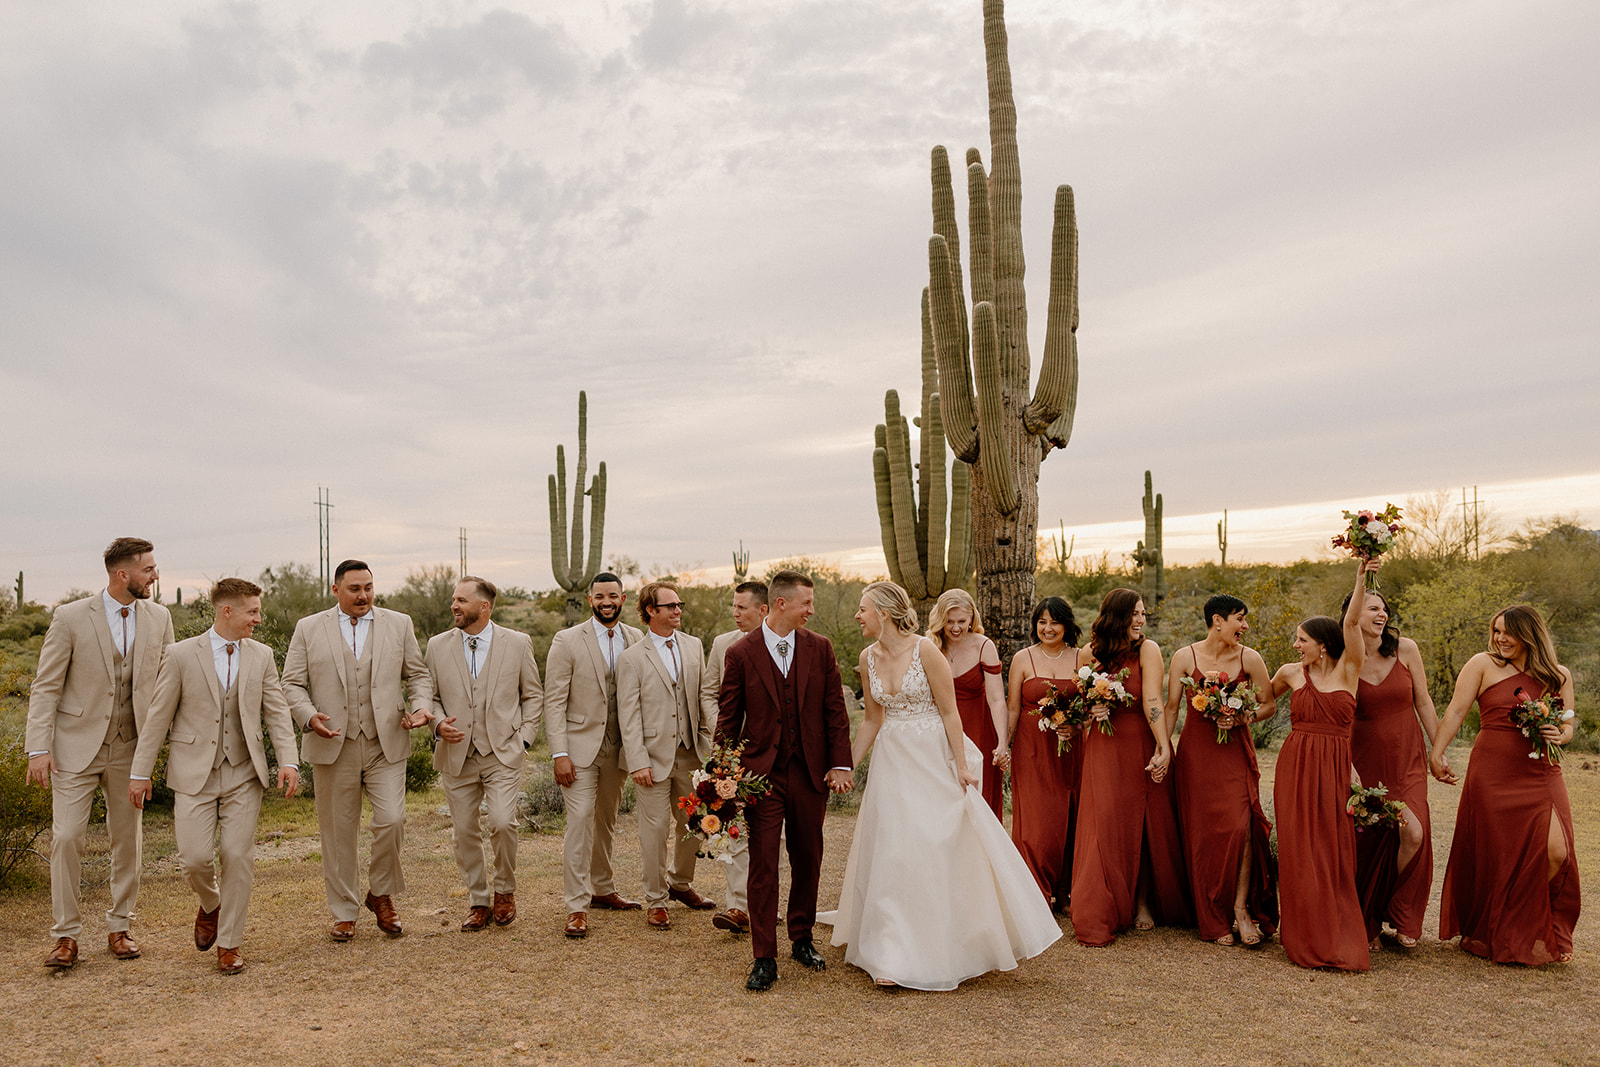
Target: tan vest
{"points": [[680, 693], [122, 726], [230, 732], [358, 697], [480, 712]]}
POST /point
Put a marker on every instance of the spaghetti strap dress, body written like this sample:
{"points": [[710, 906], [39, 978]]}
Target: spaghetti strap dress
{"points": [[1127, 826], [972, 702], [1044, 788], [1389, 747], [1320, 923], [1219, 810], [1496, 895]]}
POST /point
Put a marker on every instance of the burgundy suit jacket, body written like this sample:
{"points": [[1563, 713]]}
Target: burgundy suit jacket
{"points": [[749, 703]]}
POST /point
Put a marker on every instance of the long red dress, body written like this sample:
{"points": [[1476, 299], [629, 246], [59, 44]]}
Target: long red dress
{"points": [[973, 704], [1044, 789], [1322, 924], [1387, 744], [1127, 826], [1219, 809], [1495, 894]]}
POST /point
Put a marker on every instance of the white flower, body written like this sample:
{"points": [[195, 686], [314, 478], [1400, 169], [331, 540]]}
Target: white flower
{"points": [[1379, 531], [1085, 674], [1043, 725], [1568, 716], [1234, 703], [1533, 755]]}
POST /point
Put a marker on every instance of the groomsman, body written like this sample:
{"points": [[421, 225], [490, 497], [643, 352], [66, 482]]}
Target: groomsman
{"points": [[486, 701], [97, 672], [666, 737], [586, 748], [346, 676], [749, 610], [216, 693]]}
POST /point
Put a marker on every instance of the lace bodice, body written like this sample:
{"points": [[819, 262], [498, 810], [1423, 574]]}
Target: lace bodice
{"points": [[913, 705]]}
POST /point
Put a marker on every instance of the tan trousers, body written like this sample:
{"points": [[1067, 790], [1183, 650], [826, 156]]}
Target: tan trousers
{"points": [[484, 778], [71, 798], [665, 852], [738, 876], [591, 802], [222, 816], [339, 785]]}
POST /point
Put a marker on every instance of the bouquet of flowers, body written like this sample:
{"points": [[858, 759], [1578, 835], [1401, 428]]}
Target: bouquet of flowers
{"points": [[1215, 697], [1055, 710], [1101, 687], [1369, 535], [1370, 807], [1531, 714], [715, 807]]}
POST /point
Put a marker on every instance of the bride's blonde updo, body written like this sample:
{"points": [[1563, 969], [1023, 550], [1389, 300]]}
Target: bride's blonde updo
{"points": [[894, 603]]}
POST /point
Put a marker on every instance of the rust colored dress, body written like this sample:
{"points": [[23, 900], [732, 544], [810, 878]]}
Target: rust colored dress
{"points": [[1127, 826], [1219, 809], [1388, 746], [973, 705], [1495, 894], [1321, 910], [1044, 789]]}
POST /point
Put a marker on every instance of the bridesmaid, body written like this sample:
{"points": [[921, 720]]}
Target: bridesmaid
{"points": [[980, 696], [1226, 835], [1044, 786], [1511, 886], [1128, 857], [1387, 747], [1321, 909]]}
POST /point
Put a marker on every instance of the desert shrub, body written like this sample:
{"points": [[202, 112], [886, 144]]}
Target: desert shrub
{"points": [[541, 807], [425, 597], [24, 811], [420, 774]]}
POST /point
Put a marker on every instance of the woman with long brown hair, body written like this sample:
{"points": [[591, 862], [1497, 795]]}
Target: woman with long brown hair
{"points": [[1128, 858], [1511, 886], [955, 627]]}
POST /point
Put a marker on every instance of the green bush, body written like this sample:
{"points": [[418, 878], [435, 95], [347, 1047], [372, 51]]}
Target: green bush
{"points": [[24, 812], [420, 774]]}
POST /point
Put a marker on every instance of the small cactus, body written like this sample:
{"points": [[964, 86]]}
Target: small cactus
{"points": [[1153, 572], [573, 572], [1222, 542], [1061, 548], [741, 564]]}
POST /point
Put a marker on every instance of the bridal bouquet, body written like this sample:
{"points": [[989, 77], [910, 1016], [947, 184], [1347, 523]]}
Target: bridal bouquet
{"points": [[1371, 807], [715, 806], [1101, 687], [1369, 535], [1057, 709], [1531, 714], [1216, 698]]}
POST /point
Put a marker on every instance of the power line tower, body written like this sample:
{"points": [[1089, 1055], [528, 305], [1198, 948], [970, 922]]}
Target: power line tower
{"points": [[324, 539], [463, 573], [1470, 523]]}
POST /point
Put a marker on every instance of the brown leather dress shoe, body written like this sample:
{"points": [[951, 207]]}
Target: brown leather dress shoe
{"points": [[205, 928], [691, 899], [657, 917], [733, 920], [614, 902], [505, 908], [342, 931], [383, 908], [64, 955], [577, 925], [122, 946], [477, 919], [229, 961]]}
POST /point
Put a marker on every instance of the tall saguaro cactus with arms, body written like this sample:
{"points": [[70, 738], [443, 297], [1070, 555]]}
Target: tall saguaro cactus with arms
{"points": [[989, 417], [573, 572]]}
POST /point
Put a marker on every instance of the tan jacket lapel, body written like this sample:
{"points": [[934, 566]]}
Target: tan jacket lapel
{"points": [[597, 657], [208, 666], [331, 631], [102, 633]]}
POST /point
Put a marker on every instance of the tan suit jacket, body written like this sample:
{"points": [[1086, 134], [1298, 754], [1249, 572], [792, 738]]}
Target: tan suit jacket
{"points": [[314, 681], [581, 697], [74, 689], [188, 702], [647, 706], [511, 704], [711, 677]]}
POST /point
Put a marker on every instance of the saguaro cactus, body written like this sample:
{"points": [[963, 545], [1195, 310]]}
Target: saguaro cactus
{"points": [[741, 564], [1152, 566], [573, 572], [925, 554], [984, 367], [1222, 542]]}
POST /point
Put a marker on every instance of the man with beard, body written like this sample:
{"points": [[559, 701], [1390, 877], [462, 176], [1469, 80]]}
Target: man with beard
{"points": [[486, 700], [346, 677], [586, 747], [96, 676]]}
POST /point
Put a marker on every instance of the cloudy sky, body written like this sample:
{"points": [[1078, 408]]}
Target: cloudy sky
{"points": [[1331, 249]]}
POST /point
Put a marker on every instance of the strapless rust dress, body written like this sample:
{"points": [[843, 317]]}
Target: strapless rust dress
{"points": [[977, 725], [1044, 789]]}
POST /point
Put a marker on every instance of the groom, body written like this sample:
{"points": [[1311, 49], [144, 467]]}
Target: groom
{"points": [[781, 694]]}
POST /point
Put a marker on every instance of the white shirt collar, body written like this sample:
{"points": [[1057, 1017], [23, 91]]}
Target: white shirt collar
{"points": [[600, 630], [661, 642], [344, 620], [218, 641], [484, 637]]}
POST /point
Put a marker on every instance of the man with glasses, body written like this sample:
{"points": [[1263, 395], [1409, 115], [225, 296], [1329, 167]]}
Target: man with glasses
{"points": [[666, 737]]}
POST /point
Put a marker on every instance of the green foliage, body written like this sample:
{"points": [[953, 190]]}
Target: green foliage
{"points": [[289, 593], [24, 812], [425, 597], [420, 774], [837, 597], [27, 622], [1448, 617]]}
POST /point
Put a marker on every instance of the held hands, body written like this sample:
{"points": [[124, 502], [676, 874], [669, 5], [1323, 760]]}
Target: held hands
{"points": [[566, 773], [449, 733], [840, 781], [1439, 767], [319, 725], [40, 768], [288, 780], [1002, 757], [1157, 767], [139, 792]]}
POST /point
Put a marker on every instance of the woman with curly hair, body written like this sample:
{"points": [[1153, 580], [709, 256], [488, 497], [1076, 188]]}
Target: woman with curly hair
{"points": [[955, 627]]}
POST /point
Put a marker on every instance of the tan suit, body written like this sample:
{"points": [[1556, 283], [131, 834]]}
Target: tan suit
{"points": [[365, 700], [499, 713], [581, 720], [86, 708], [217, 766], [738, 872], [664, 727]]}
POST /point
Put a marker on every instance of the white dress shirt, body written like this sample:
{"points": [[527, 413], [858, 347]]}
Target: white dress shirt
{"points": [[611, 641], [227, 666], [671, 658], [362, 627], [785, 659], [122, 629], [476, 658]]}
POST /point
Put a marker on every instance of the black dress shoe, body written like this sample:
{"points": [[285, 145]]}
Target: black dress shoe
{"points": [[762, 975], [806, 954]]}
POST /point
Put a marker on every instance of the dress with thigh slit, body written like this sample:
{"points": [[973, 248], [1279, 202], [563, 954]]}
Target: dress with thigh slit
{"points": [[1389, 747]]}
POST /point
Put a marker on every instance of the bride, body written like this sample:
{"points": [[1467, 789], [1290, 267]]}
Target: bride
{"points": [[934, 891]]}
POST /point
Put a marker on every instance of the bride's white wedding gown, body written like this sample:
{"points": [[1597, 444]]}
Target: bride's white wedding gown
{"points": [[934, 891]]}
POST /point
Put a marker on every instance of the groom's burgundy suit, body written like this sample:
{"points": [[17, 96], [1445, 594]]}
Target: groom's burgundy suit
{"points": [[795, 730]]}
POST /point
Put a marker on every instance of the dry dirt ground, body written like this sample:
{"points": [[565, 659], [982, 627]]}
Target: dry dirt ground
{"points": [[526, 995]]}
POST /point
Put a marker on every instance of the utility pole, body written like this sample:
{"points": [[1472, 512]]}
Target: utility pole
{"points": [[1470, 524], [463, 552], [324, 539]]}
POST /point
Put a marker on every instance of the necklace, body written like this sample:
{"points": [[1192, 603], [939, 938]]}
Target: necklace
{"points": [[1048, 656]]}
